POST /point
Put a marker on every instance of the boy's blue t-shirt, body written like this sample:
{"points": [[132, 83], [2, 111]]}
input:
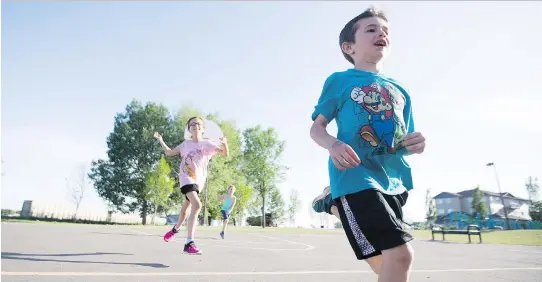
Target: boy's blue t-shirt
{"points": [[372, 113]]}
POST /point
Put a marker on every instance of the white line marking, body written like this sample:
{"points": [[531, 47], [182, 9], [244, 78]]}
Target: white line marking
{"points": [[140, 232], [521, 251], [267, 273], [307, 247]]}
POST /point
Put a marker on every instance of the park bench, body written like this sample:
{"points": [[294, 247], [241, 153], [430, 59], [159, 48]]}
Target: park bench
{"points": [[471, 230]]}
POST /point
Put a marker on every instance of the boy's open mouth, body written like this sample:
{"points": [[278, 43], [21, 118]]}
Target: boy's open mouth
{"points": [[381, 42]]}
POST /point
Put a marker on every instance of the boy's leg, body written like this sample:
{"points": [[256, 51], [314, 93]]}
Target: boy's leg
{"points": [[374, 230], [374, 262], [225, 216], [397, 262], [324, 203]]}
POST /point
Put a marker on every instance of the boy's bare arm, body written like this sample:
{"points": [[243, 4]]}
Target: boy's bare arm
{"points": [[342, 155], [233, 204], [319, 133]]}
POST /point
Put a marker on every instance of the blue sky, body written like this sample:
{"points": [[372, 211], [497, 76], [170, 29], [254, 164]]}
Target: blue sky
{"points": [[69, 67]]}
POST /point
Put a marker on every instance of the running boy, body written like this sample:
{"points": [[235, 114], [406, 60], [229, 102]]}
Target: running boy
{"points": [[369, 177], [227, 207], [195, 155]]}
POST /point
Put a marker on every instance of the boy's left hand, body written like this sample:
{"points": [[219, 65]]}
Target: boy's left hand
{"points": [[224, 140], [413, 142]]}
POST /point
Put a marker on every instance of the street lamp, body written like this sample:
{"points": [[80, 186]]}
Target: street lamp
{"points": [[205, 195], [500, 194]]}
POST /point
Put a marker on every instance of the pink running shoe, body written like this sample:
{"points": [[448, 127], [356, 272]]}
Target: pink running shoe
{"points": [[170, 235], [191, 249]]}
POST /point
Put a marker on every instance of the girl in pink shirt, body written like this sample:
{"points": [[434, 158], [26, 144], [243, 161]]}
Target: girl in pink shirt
{"points": [[195, 155]]}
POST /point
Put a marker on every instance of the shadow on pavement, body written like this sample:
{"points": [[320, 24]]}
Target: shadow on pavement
{"points": [[127, 234], [31, 257], [63, 255]]}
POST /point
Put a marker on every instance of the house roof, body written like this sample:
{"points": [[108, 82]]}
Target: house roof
{"points": [[445, 195], [469, 193]]}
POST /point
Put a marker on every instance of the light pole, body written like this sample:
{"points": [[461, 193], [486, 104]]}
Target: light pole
{"points": [[205, 194], [500, 194]]}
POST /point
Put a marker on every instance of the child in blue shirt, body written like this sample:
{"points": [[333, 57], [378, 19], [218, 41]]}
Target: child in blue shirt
{"points": [[369, 176], [228, 204]]}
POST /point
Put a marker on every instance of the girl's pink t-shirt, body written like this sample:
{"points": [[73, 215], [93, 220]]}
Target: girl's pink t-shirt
{"points": [[195, 157]]}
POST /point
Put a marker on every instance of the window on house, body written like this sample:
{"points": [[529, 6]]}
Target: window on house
{"points": [[448, 201], [450, 210], [439, 201], [470, 200], [441, 211]]}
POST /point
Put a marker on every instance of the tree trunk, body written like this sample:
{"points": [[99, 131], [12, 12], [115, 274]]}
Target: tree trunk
{"points": [[144, 213], [263, 211], [154, 215], [75, 214]]}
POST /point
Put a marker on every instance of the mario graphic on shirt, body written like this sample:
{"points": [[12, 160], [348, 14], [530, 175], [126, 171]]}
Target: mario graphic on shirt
{"points": [[380, 127]]}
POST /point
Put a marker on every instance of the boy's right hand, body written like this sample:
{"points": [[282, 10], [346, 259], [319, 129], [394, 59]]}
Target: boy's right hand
{"points": [[157, 136], [343, 156]]}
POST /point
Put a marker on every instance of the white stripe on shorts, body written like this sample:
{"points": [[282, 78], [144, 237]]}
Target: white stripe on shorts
{"points": [[364, 245]]}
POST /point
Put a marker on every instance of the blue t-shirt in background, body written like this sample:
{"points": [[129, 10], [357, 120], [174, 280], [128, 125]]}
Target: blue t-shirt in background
{"points": [[372, 112]]}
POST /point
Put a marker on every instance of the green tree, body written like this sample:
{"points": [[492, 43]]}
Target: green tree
{"points": [[276, 205], [159, 185], [244, 196], [261, 155], [532, 188], [478, 203], [535, 211], [131, 154], [430, 208], [274, 209], [293, 205]]}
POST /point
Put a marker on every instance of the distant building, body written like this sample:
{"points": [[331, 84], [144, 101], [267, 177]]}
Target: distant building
{"points": [[517, 208]]}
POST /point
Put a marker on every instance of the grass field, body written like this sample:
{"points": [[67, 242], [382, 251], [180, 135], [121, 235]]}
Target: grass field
{"points": [[513, 237]]}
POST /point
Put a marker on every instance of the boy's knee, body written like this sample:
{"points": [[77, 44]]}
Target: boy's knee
{"points": [[400, 257], [375, 263]]}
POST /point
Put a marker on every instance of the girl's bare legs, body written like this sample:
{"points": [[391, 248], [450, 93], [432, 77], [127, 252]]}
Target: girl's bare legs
{"points": [[374, 262], [170, 235], [182, 214], [196, 207]]}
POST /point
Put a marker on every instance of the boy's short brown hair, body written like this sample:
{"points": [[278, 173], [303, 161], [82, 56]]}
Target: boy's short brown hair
{"points": [[348, 33]]}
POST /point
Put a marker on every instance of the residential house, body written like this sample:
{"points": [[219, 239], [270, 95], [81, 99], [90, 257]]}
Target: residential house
{"points": [[517, 208]]}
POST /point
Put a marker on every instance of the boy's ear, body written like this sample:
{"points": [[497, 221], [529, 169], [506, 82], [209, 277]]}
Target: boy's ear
{"points": [[347, 48]]}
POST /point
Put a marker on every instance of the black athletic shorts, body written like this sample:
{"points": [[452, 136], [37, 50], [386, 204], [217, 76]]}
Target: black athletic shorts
{"points": [[189, 188], [373, 221]]}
